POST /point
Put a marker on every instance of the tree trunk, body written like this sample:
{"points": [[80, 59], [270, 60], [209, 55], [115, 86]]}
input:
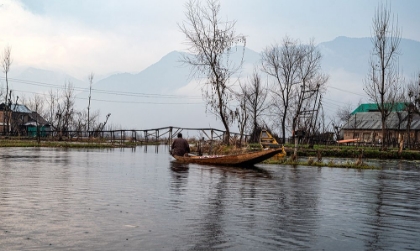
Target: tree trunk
{"points": [[225, 124], [296, 148], [401, 143], [384, 136]]}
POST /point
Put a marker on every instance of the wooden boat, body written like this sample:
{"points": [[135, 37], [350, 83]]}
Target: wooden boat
{"points": [[246, 159]]}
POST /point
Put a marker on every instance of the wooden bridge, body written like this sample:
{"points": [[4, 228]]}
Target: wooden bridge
{"points": [[161, 135]]}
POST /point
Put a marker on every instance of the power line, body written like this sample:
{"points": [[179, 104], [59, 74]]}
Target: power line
{"points": [[119, 93], [347, 91], [332, 103], [123, 102]]}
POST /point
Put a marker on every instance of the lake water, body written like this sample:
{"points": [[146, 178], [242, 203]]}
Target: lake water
{"points": [[139, 199]]}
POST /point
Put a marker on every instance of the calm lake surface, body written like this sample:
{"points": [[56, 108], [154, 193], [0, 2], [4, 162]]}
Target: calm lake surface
{"points": [[138, 199]]}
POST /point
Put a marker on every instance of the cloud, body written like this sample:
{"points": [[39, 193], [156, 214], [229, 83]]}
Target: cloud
{"points": [[72, 45], [108, 36]]}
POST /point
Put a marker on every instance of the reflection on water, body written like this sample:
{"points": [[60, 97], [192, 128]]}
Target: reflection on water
{"points": [[134, 199]]}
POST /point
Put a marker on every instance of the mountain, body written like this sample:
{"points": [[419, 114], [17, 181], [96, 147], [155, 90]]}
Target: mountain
{"points": [[165, 76], [352, 54], [166, 93], [150, 94], [29, 79], [346, 61]]}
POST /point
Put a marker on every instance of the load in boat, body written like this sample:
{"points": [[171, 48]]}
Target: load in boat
{"points": [[271, 149], [269, 141], [245, 159]]}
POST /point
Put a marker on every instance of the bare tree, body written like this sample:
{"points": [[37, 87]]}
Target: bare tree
{"points": [[1, 91], [295, 69], [37, 105], [90, 77], [6, 63], [68, 105], [382, 82], [413, 93], [64, 109], [311, 82], [255, 96], [211, 41], [51, 111], [101, 125], [16, 119], [344, 113], [281, 63], [241, 112], [80, 117]]}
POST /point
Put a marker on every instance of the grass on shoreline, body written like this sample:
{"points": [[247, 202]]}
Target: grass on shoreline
{"points": [[311, 158], [312, 162], [354, 152]]}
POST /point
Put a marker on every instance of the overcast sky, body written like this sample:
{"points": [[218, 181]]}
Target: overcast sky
{"points": [[107, 36]]}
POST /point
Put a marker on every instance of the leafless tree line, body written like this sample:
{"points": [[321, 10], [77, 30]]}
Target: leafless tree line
{"points": [[384, 84], [295, 85], [292, 96], [57, 107]]}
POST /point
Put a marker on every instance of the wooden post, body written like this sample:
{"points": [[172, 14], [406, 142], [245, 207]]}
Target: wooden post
{"points": [[146, 137], [296, 148], [211, 142], [170, 137]]}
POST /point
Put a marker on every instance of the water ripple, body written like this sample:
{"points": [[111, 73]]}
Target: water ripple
{"points": [[55, 199]]}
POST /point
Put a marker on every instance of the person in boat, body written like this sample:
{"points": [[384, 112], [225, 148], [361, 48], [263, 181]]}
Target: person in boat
{"points": [[180, 146]]}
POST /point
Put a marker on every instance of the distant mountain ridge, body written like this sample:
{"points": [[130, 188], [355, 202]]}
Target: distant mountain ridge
{"points": [[345, 60], [166, 75], [352, 54]]}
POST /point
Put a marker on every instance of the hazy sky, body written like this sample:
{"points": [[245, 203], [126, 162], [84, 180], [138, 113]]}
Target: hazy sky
{"points": [[107, 36]]}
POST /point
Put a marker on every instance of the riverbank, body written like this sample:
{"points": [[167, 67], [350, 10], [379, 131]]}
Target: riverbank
{"points": [[67, 144], [331, 162], [347, 156], [353, 152]]}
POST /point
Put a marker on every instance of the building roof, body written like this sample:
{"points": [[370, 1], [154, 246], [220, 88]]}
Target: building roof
{"points": [[372, 121], [20, 108], [398, 107], [16, 108], [35, 117]]}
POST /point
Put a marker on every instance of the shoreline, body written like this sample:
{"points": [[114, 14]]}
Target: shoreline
{"points": [[354, 156]]}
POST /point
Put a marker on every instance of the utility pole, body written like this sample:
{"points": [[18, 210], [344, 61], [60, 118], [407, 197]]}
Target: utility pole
{"points": [[297, 122], [90, 77]]}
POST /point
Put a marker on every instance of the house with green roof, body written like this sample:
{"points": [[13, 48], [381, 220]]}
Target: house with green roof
{"points": [[365, 125], [372, 107]]}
